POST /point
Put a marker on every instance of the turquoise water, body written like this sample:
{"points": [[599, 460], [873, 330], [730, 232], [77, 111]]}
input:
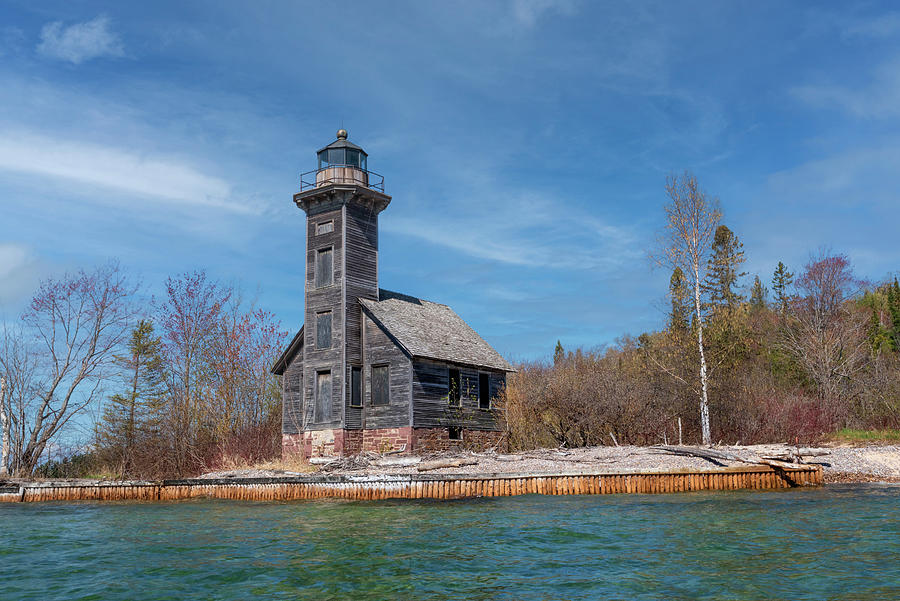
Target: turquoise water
{"points": [[842, 542]]}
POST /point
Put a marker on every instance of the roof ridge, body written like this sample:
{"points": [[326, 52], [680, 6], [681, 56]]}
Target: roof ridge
{"points": [[401, 296]]}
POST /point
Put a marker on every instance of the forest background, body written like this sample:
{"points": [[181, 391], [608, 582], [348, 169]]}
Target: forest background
{"points": [[100, 380]]}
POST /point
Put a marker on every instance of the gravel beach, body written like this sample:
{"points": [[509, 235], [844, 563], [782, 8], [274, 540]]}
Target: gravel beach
{"points": [[842, 463]]}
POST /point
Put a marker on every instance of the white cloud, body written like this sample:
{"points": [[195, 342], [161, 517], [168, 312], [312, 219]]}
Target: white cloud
{"points": [[878, 100], [529, 12], [881, 26], [18, 273], [866, 176], [80, 42], [524, 231], [165, 179]]}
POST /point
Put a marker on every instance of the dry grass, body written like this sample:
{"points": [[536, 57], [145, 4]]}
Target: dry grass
{"points": [[291, 464]]}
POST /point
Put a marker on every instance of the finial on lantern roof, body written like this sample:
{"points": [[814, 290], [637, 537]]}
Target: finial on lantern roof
{"points": [[342, 134]]}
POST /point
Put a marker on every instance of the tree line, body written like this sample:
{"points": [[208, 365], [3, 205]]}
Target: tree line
{"points": [[736, 361], [148, 387], [179, 384]]}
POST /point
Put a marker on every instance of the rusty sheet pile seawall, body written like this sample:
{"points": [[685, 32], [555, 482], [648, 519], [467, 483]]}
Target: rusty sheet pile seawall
{"points": [[417, 486]]}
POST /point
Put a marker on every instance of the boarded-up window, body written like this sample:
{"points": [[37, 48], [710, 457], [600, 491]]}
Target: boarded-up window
{"points": [[355, 387], [323, 397], [484, 391], [454, 388], [381, 385], [324, 268], [323, 330], [326, 227]]}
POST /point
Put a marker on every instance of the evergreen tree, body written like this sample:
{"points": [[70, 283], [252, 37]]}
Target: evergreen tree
{"points": [[681, 304], [758, 295], [722, 270], [558, 353], [131, 414], [781, 281], [893, 297], [879, 339]]}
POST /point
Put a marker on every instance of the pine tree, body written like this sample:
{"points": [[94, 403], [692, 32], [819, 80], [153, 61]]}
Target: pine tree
{"points": [[758, 295], [893, 298], [130, 414], [558, 353], [781, 281], [681, 304], [722, 270], [878, 337]]}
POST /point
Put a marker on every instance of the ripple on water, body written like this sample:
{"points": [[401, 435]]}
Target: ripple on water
{"points": [[838, 542]]}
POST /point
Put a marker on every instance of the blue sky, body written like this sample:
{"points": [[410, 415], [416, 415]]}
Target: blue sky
{"points": [[525, 143]]}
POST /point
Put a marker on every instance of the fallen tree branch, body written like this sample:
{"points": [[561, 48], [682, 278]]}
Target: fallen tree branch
{"points": [[716, 457]]}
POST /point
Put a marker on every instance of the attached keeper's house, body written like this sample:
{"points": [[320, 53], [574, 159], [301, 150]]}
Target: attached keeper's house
{"points": [[372, 369]]}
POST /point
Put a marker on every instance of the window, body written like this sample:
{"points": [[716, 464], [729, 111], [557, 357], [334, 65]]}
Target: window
{"points": [[453, 391], [356, 387], [323, 397], [324, 268], [454, 433], [323, 330], [326, 227], [335, 156], [381, 385], [484, 391]]}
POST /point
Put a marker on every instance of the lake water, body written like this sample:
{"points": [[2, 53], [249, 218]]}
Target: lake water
{"points": [[840, 542]]}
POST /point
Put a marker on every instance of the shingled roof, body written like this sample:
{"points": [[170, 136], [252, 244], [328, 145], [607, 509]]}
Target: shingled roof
{"points": [[432, 331], [288, 354]]}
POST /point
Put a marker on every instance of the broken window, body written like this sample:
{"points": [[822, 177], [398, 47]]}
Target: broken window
{"points": [[355, 387], [484, 391], [454, 387], [454, 433]]}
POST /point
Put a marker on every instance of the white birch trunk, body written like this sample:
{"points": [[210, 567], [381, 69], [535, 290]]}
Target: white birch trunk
{"points": [[704, 401], [4, 427]]}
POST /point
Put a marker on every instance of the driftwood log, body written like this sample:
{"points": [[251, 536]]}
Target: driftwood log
{"points": [[397, 461], [442, 463], [783, 457]]}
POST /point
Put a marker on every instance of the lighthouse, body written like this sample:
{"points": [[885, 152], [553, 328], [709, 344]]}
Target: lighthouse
{"points": [[372, 369]]}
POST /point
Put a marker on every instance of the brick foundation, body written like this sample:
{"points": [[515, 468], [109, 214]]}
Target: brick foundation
{"points": [[338, 443]]}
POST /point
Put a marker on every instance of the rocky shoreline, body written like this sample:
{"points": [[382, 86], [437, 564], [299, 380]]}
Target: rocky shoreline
{"points": [[841, 464]]}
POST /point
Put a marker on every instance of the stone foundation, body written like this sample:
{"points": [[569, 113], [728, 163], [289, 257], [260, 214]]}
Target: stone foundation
{"points": [[438, 439], [339, 443]]}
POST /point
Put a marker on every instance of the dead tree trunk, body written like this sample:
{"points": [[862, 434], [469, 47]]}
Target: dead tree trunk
{"points": [[4, 427]]}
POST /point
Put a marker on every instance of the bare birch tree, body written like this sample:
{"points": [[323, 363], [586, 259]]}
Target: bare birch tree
{"points": [[691, 221]]}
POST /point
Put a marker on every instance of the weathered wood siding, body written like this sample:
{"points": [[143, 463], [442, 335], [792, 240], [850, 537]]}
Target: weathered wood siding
{"points": [[327, 298], [431, 406], [292, 406], [361, 241], [381, 350]]}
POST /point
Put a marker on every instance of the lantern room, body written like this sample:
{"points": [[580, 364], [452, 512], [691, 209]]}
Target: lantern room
{"points": [[342, 162], [342, 153]]}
